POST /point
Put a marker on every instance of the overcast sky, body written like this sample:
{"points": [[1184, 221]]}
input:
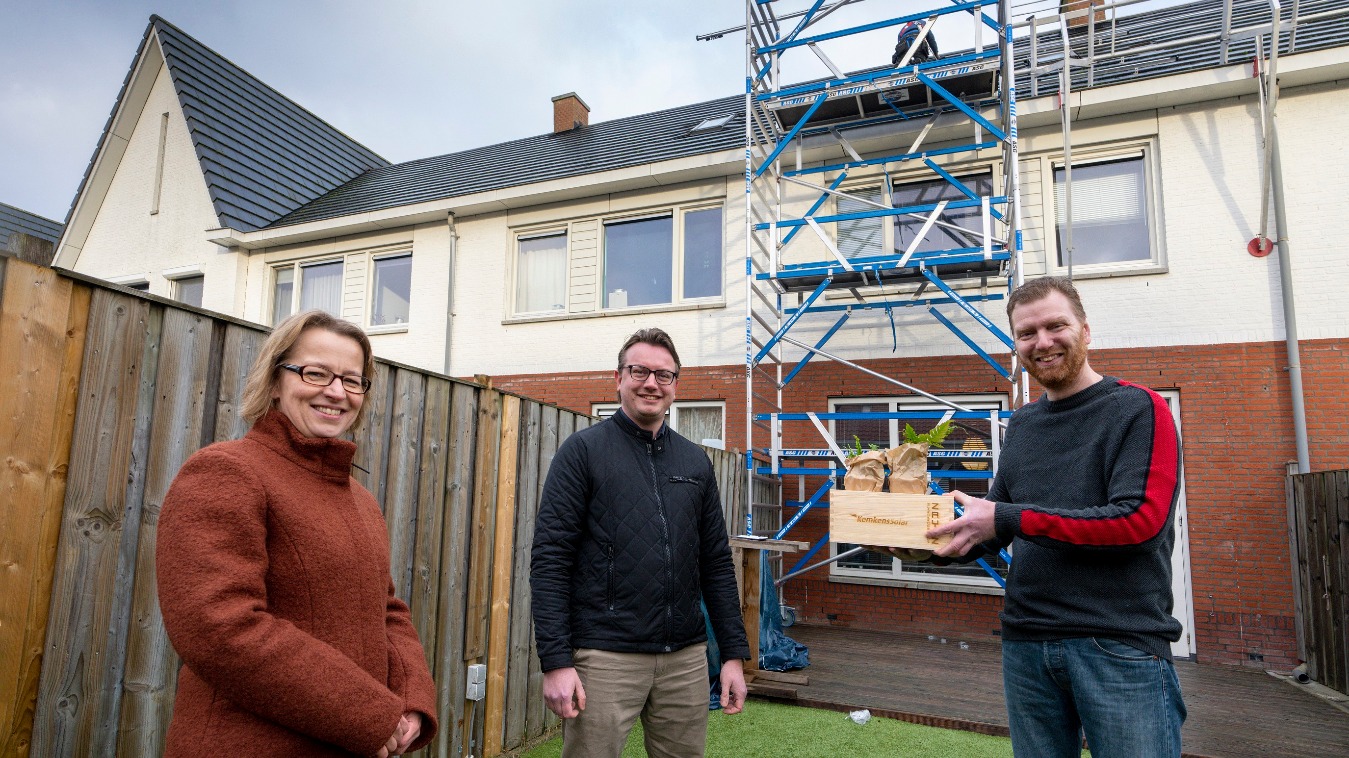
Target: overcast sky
{"points": [[407, 78]]}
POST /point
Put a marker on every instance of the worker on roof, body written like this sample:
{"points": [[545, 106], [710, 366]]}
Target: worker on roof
{"points": [[908, 34]]}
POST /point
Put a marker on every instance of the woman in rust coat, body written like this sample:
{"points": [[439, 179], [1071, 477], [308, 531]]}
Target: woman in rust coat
{"points": [[273, 573]]}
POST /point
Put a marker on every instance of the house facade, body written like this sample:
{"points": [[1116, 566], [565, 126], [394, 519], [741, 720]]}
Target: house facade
{"points": [[531, 261]]}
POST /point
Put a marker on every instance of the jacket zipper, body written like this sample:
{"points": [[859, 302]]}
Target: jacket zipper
{"points": [[609, 549], [665, 534]]}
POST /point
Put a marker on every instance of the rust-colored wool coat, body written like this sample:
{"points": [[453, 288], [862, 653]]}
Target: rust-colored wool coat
{"points": [[273, 570]]}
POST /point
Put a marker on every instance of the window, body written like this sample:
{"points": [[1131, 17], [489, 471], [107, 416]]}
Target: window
{"points": [[667, 258], [934, 191], [874, 237], [138, 286], [637, 268], [541, 273], [392, 290], [702, 253], [188, 290], [320, 286], [654, 261], [1111, 221], [970, 474], [710, 124], [703, 421]]}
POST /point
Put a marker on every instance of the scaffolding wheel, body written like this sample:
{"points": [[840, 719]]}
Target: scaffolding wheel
{"points": [[788, 616]]}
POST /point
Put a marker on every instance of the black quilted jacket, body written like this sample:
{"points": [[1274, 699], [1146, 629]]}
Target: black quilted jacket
{"points": [[629, 536]]}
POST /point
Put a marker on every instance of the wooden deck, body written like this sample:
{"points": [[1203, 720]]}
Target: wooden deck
{"points": [[1232, 712]]}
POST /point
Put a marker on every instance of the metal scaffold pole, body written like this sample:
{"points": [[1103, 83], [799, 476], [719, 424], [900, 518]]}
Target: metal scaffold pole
{"points": [[870, 197]]}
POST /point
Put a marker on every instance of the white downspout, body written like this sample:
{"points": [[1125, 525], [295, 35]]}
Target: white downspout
{"points": [[450, 222]]}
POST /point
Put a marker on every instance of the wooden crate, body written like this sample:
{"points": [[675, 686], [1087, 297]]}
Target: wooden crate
{"points": [[888, 519]]}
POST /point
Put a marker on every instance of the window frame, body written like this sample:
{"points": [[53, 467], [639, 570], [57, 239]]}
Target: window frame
{"points": [[298, 266], [983, 584], [177, 288], [178, 274], [553, 230], [677, 213], [370, 326], [605, 410], [1146, 152], [137, 282]]}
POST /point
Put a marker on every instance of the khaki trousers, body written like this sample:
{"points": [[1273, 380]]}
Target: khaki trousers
{"points": [[668, 690]]}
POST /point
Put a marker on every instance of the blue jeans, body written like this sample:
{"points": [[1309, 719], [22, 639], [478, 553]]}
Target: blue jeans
{"points": [[1125, 701]]}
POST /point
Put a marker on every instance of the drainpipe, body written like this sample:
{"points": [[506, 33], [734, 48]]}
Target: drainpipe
{"points": [[1289, 306], [1281, 240], [450, 221]]}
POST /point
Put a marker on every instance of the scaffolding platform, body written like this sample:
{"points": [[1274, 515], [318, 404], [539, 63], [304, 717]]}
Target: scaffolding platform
{"points": [[888, 93]]}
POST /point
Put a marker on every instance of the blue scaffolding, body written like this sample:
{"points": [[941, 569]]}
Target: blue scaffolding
{"points": [[814, 152]]}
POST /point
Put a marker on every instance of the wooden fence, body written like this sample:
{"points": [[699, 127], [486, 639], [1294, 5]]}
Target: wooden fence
{"points": [[1318, 518], [108, 391]]}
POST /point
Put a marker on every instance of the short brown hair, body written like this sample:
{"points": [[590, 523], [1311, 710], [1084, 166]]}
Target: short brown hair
{"points": [[1036, 289], [262, 377], [651, 336]]}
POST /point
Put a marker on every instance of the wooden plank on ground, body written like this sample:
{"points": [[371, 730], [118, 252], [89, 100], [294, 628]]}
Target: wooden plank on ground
{"points": [[536, 709], [449, 669], [526, 507], [400, 489], [86, 625], [488, 449], [502, 560], [42, 327], [764, 688], [781, 677], [184, 410]]}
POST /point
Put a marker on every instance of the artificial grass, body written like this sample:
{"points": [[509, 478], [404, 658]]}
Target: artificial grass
{"points": [[788, 731]]}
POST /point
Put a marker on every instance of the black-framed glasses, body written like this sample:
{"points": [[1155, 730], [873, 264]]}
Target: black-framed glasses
{"points": [[640, 373], [322, 377]]}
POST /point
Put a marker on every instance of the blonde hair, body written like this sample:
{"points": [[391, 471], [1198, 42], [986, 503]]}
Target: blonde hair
{"points": [[263, 376]]}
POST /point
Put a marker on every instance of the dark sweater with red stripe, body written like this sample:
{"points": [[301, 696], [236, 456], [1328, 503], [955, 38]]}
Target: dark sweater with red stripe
{"points": [[1086, 491]]}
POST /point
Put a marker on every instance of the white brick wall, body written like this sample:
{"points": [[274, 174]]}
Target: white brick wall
{"points": [[126, 239]]}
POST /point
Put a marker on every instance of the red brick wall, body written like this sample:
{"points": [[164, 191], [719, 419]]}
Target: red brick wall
{"points": [[1235, 408]]}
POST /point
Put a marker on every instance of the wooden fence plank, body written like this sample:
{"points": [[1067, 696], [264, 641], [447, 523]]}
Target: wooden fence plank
{"points": [[182, 422], [1337, 568], [568, 423], [502, 560], [81, 626], [535, 709], [526, 506], [488, 450], [240, 350], [450, 658], [42, 318], [423, 596], [109, 700], [400, 489], [372, 438]]}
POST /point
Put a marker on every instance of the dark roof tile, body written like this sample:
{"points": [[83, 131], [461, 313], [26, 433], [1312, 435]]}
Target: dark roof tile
{"points": [[18, 220]]}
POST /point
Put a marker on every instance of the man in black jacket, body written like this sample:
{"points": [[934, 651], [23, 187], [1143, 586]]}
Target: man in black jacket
{"points": [[629, 538]]}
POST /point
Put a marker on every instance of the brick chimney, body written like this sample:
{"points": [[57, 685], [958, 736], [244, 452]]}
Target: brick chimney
{"points": [[569, 112], [1067, 6]]}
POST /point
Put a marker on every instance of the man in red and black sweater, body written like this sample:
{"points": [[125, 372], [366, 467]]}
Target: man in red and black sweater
{"points": [[1085, 493]]}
